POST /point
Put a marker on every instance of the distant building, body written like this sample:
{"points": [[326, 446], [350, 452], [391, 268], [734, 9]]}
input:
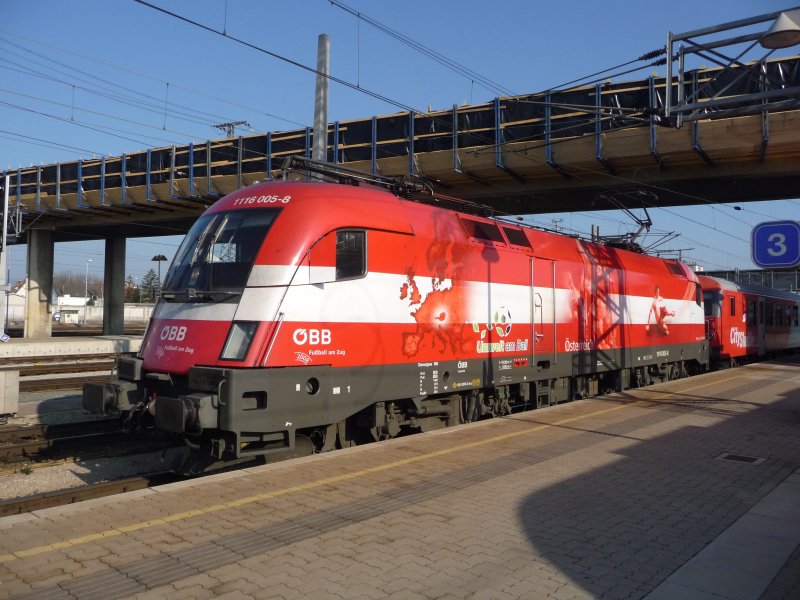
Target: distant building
{"points": [[71, 310]]}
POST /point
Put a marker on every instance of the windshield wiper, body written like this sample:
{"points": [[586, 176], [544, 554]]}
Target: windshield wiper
{"points": [[193, 295], [214, 296]]}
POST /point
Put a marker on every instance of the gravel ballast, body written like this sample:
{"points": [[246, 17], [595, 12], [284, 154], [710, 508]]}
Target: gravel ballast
{"points": [[53, 408]]}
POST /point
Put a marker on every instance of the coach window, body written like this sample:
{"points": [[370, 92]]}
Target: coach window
{"points": [[351, 254], [794, 316], [751, 311]]}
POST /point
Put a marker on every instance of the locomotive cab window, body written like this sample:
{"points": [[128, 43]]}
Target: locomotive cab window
{"points": [[216, 256], [351, 254], [733, 306]]}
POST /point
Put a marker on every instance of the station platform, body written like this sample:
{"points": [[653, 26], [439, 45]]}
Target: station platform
{"points": [[689, 489], [19, 348], [18, 355]]}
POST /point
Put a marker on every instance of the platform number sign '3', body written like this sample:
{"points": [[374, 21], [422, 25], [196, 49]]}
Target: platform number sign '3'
{"points": [[775, 244]]}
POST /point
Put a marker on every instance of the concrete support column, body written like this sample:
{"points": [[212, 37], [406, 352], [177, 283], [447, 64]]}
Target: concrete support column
{"points": [[39, 293], [114, 288]]}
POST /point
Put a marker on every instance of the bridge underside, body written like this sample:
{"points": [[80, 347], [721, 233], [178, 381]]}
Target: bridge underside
{"points": [[590, 148]]}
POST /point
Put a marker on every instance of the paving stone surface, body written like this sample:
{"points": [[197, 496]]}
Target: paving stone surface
{"points": [[623, 496]]}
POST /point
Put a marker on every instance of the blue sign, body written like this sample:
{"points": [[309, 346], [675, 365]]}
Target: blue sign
{"points": [[775, 244]]}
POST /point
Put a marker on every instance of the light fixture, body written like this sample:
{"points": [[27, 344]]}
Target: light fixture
{"points": [[159, 258], [785, 31]]}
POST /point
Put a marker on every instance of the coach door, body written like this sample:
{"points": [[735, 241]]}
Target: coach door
{"points": [[543, 312]]}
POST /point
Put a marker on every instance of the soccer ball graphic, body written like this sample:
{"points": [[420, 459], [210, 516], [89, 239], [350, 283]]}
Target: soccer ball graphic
{"points": [[502, 321]]}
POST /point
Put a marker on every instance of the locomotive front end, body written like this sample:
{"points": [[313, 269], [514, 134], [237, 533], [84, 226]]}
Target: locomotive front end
{"points": [[257, 345], [209, 322]]}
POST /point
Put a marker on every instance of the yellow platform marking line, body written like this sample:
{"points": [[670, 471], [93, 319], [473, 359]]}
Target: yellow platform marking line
{"points": [[93, 537]]}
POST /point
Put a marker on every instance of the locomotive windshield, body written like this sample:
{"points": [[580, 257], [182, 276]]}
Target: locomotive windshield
{"points": [[215, 258]]}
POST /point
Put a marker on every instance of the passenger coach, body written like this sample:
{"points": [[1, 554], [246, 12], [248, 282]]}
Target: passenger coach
{"points": [[747, 322]]}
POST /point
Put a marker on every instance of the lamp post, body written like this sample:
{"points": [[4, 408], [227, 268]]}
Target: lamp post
{"points": [[159, 258], [86, 290]]}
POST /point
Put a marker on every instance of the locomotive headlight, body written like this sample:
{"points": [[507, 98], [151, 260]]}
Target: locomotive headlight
{"points": [[238, 342]]}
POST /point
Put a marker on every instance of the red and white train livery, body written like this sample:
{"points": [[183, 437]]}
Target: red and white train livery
{"points": [[747, 322], [341, 314]]}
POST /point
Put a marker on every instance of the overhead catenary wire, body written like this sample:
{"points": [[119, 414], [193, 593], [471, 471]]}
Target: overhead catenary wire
{"points": [[314, 71], [151, 78], [102, 114], [449, 63], [96, 128], [285, 59], [152, 104], [646, 56], [255, 47], [135, 96], [45, 143]]}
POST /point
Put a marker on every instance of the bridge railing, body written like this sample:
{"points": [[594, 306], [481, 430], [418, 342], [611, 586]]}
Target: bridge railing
{"points": [[197, 173]]}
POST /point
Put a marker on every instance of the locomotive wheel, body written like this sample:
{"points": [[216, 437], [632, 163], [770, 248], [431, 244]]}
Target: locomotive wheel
{"points": [[341, 436], [303, 446]]}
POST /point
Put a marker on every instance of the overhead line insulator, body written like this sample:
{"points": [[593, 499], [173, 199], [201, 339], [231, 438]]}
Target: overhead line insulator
{"points": [[653, 54]]}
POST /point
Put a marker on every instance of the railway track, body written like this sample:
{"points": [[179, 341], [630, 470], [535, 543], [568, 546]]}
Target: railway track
{"points": [[25, 442], [44, 444], [18, 506], [61, 372]]}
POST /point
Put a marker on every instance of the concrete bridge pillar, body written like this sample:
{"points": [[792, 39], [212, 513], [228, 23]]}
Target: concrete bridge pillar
{"points": [[114, 286], [39, 293]]}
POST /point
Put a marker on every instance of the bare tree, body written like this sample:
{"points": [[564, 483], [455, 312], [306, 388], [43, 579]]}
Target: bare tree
{"points": [[74, 284]]}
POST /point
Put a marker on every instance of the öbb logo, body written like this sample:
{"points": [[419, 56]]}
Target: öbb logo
{"points": [[173, 333], [312, 337]]}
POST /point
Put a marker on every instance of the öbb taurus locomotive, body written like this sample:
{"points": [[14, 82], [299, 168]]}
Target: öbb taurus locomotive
{"points": [[336, 314]]}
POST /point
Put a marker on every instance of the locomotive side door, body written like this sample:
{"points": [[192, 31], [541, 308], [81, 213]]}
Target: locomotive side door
{"points": [[535, 316], [543, 312]]}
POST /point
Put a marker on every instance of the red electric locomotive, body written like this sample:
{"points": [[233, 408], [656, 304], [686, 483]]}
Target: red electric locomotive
{"points": [[747, 322], [337, 314]]}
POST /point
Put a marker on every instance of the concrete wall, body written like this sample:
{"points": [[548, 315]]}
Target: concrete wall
{"points": [[134, 313]]}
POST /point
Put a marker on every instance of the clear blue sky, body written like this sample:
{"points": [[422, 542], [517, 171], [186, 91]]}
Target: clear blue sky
{"points": [[195, 79]]}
